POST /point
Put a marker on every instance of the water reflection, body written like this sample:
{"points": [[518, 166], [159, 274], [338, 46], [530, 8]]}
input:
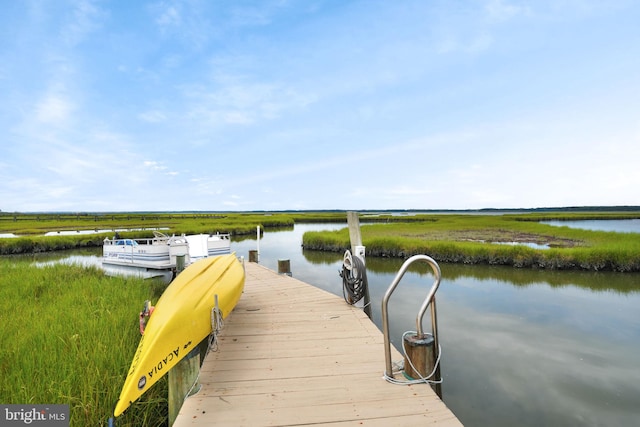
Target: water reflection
{"points": [[545, 346], [520, 346], [527, 351], [595, 281]]}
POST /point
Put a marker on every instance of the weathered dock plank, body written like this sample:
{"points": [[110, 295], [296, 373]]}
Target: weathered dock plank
{"points": [[292, 354]]}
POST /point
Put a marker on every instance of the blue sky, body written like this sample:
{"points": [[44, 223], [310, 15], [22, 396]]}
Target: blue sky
{"points": [[312, 104]]}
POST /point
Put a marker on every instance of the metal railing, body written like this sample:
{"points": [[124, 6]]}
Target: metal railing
{"points": [[430, 300]]}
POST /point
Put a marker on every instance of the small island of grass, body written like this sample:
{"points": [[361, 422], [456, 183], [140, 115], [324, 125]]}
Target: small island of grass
{"points": [[517, 240]]}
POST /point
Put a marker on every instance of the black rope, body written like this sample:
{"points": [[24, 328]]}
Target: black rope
{"points": [[354, 286]]}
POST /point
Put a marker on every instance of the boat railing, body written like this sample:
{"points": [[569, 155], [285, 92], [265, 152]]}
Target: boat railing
{"points": [[158, 239], [135, 242]]}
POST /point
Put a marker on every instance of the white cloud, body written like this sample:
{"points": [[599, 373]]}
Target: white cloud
{"points": [[87, 18], [54, 109], [153, 116], [241, 102], [186, 21], [169, 16], [156, 166], [504, 10]]}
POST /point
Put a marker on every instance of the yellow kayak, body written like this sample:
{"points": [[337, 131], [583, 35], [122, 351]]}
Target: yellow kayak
{"points": [[181, 320]]}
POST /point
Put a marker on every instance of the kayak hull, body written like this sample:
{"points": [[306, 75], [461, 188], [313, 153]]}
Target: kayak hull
{"points": [[181, 320]]}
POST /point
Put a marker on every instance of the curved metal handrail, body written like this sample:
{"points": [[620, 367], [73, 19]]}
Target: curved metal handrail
{"points": [[431, 299]]}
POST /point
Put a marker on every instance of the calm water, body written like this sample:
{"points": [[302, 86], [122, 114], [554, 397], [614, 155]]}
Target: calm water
{"points": [[619, 225], [520, 347]]}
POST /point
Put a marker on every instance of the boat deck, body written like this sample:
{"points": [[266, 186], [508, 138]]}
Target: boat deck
{"points": [[292, 354]]}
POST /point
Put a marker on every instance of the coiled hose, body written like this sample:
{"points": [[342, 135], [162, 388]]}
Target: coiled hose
{"points": [[354, 278]]}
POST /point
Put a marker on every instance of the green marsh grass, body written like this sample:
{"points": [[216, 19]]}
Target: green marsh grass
{"points": [[32, 227], [471, 239], [486, 239], [68, 335]]}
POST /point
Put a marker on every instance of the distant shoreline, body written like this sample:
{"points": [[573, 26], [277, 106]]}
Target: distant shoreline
{"points": [[586, 209]]}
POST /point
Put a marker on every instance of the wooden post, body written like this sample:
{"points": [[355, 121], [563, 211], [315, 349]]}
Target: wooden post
{"points": [[421, 351], [253, 256], [182, 379], [357, 249], [257, 244], [180, 263], [284, 267], [354, 230]]}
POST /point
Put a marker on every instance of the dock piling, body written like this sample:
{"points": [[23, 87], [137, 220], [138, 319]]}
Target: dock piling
{"points": [[419, 359], [357, 249], [183, 382], [180, 263], [284, 267]]}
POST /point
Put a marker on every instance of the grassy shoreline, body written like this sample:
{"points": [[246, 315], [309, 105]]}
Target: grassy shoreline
{"points": [[494, 240], [31, 228], [449, 237], [69, 334]]}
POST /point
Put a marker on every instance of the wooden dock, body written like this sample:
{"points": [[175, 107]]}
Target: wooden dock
{"points": [[291, 354]]}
